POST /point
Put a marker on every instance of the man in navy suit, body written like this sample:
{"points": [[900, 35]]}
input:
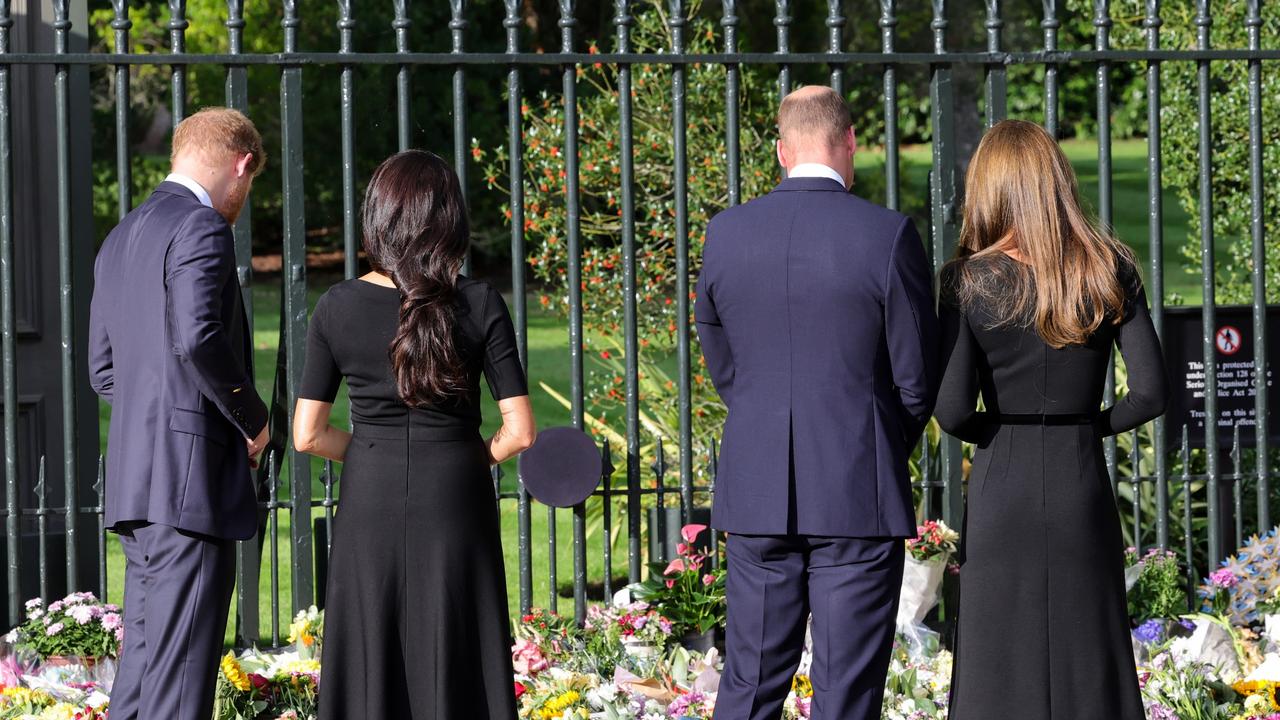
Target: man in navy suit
{"points": [[170, 350], [816, 315]]}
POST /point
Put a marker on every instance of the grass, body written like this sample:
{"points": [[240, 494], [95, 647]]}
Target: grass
{"points": [[1128, 197], [549, 363]]}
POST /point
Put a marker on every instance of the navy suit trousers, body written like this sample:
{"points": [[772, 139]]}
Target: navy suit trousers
{"points": [[177, 592], [850, 585]]}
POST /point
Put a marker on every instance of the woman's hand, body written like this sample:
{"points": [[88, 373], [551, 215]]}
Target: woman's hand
{"points": [[517, 432], [313, 434]]}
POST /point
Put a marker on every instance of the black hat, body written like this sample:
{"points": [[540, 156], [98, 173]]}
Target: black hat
{"points": [[562, 468]]}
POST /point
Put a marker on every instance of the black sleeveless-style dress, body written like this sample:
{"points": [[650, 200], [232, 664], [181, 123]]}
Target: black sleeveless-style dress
{"points": [[1042, 629], [416, 622]]}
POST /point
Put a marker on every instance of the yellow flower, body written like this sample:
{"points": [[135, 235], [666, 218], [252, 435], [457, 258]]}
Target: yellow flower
{"points": [[554, 708], [802, 686], [26, 696], [235, 674], [302, 666]]}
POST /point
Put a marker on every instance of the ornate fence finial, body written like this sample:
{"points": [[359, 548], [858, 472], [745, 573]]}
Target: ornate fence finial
{"points": [[994, 24], [290, 24], [1050, 24], [121, 21], [622, 22], [1102, 23], [511, 21], [235, 25], [458, 23], [730, 21], [888, 21], [939, 26], [346, 23], [782, 21], [567, 23], [1203, 23], [1152, 17], [676, 20], [401, 24]]}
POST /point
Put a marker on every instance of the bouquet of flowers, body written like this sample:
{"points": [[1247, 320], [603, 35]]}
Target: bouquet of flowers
{"points": [[935, 540], [692, 706], [256, 685], [21, 703], [640, 624], [687, 589], [564, 696], [77, 626], [306, 633], [928, 558], [1155, 584], [543, 638]]}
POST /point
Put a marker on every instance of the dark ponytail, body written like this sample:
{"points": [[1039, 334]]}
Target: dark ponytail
{"points": [[415, 231]]}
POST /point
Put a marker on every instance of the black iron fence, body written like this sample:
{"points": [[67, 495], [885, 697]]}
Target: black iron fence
{"points": [[1170, 488]]}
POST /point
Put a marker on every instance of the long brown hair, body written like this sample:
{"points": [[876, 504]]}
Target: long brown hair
{"points": [[1021, 194], [415, 232]]}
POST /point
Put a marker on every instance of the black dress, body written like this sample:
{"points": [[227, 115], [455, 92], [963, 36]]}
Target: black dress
{"points": [[1043, 632], [416, 619]]}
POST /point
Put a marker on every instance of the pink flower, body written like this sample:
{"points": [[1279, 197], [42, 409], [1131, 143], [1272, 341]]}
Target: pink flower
{"points": [[527, 658], [112, 621], [691, 532], [674, 566], [53, 629], [1223, 578], [708, 579], [82, 614], [671, 584], [682, 548]]}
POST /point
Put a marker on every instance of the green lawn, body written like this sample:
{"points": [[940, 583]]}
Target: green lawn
{"points": [[549, 363], [1129, 202]]}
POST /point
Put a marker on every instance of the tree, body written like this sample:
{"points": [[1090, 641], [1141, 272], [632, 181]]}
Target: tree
{"points": [[1180, 128], [601, 222]]}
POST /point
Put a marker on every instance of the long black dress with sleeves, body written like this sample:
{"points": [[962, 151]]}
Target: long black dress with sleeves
{"points": [[1042, 632], [416, 619]]}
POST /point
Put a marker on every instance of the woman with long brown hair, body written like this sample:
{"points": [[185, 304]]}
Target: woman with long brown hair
{"points": [[1031, 308], [416, 605]]}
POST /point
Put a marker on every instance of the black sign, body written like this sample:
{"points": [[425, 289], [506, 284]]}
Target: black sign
{"points": [[1233, 346]]}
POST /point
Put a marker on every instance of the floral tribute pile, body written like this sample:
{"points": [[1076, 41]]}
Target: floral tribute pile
{"points": [[1222, 662], [60, 662], [624, 664], [274, 686], [652, 653]]}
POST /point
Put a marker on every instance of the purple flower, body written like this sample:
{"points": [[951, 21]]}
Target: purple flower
{"points": [[1223, 578], [1150, 632], [1187, 624], [111, 621], [1160, 712], [53, 629]]}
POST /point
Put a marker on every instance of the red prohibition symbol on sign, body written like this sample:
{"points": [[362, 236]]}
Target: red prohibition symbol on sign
{"points": [[1228, 340]]}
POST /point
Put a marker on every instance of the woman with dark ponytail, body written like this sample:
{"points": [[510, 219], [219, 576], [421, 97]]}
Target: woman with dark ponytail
{"points": [[416, 604]]}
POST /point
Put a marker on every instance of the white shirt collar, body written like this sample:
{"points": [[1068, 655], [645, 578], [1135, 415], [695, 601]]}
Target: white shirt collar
{"points": [[815, 170], [201, 194]]}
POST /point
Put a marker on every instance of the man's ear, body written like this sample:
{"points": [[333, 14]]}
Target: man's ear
{"points": [[852, 140], [243, 163], [782, 157]]}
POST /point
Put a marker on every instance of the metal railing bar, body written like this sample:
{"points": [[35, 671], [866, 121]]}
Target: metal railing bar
{"points": [[66, 290], [1030, 57]]}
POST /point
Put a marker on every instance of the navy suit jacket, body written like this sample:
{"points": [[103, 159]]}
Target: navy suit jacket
{"points": [[169, 348], [816, 314]]}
